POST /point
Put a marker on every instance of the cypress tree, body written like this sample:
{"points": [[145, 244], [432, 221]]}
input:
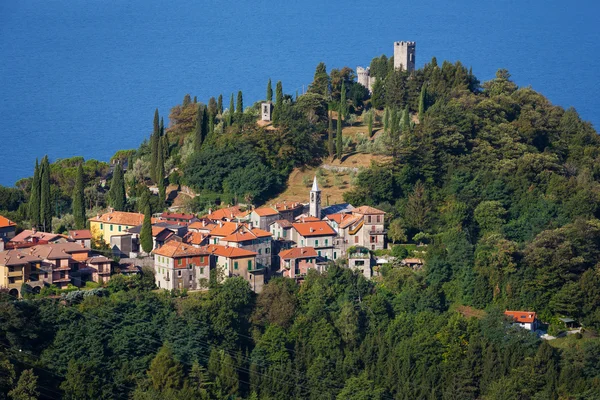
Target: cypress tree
{"points": [[370, 123], [156, 130], [146, 232], [162, 194], [239, 107], [343, 102], [220, 104], [79, 200], [320, 82], [34, 197], [160, 165], [330, 135], [338, 136], [422, 102], [212, 107], [117, 190], [187, 100], [278, 102], [195, 99], [165, 148], [45, 199], [405, 120], [231, 111], [154, 145], [198, 134], [269, 91], [386, 120]]}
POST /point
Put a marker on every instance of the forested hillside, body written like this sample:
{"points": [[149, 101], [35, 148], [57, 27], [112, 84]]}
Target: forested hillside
{"points": [[501, 185]]}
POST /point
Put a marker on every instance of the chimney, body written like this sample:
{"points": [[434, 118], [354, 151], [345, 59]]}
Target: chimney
{"points": [[220, 224], [203, 222], [210, 210], [34, 230], [312, 229]]}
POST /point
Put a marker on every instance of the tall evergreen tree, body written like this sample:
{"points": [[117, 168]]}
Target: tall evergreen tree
{"points": [[239, 107], [156, 129], [79, 199], [330, 135], [26, 388], [198, 131], [231, 111], [220, 104], [117, 197], [162, 194], [278, 101], [269, 91], [146, 232], [34, 197], [45, 196], [422, 98], [406, 120], [370, 122], [320, 82], [154, 145], [187, 100], [338, 136], [160, 165], [343, 101], [213, 109]]}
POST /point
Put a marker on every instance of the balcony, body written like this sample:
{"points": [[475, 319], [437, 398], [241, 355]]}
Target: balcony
{"points": [[18, 273], [62, 269], [380, 231]]}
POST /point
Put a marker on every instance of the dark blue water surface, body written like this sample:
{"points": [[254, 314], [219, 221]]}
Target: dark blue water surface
{"points": [[83, 77]]}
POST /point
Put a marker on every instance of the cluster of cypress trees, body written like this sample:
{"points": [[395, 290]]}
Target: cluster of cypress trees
{"points": [[40, 204], [79, 199], [159, 146]]}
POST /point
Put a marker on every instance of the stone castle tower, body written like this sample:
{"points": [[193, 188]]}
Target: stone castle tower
{"points": [[315, 200], [404, 58], [404, 55]]}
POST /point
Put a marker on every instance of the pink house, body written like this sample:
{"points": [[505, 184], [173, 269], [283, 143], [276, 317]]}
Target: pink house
{"points": [[296, 262]]}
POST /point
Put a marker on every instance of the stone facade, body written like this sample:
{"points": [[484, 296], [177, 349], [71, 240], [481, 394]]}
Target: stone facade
{"points": [[365, 78], [266, 110], [404, 55]]}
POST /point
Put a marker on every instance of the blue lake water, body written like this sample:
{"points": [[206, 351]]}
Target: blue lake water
{"points": [[83, 77]]}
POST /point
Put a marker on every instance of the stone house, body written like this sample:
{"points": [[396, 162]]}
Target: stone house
{"points": [[289, 211], [263, 217], [296, 262], [233, 261], [281, 229], [317, 234], [178, 218], [361, 259], [252, 239], [181, 266], [81, 236]]}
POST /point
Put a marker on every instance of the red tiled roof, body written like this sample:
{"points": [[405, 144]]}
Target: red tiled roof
{"points": [[27, 234], [285, 206], [196, 238], [227, 213], [284, 223], [524, 317], [175, 249], [265, 211], [246, 234], [317, 228], [225, 228], [298, 252], [202, 225], [366, 210], [168, 215], [229, 252], [80, 234], [306, 219], [349, 220], [5, 222], [120, 218]]}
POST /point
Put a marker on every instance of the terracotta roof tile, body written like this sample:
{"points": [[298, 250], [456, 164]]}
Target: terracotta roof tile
{"points": [[284, 223], [5, 222], [80, 234], [229, 252], [524, 317], [366, 210], [227, 213], [317, 228], [246, 234], [29, 234], [120, 218], [174, 249], [195, 238], [285, 206], [265, 211], [225, 229], [298, 252], [167, 215]]}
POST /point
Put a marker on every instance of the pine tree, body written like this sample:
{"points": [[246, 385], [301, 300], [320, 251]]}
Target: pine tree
{"points": [[26, 388], [320, 82], [386, 120], [220, 104], [34, 197], [422, 98], [406, 120], [45, 199], [330, 135], [117, 196], [79, 199], [338, 136], [146, 232], [165, 371], [239, 107], [269, 91], [343, 102]]}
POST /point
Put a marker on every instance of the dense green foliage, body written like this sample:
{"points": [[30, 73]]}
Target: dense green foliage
{"points": [[337, 336], [79, 200]]}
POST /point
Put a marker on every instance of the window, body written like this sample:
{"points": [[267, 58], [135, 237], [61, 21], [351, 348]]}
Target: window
{"points": [[316, 243], [46, 275], [190, 266], [179, 273], [249, 265], [326, 242], [319, 253], [202, 271], [201, 259], [267, 250], [355, 239], [378, 218], [368, 219], [215, 241], [111, 228], [179, 262], [119, 228], [302, 242], [101, 226], [334, 255], [284, 233], [259, 251], [235, 265]]}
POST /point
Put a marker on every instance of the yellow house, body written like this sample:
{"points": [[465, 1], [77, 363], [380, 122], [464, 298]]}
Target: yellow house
{"points": [[114, 223], [233, 261]]}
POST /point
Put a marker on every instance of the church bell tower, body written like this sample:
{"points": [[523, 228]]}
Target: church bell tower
{"points": [[315, 200]]}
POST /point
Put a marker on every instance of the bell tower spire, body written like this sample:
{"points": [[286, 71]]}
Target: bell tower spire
{"points": [[315, 200]]}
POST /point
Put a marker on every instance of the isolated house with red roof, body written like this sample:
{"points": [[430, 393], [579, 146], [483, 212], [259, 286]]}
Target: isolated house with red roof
{"points": [[524, 319]]}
